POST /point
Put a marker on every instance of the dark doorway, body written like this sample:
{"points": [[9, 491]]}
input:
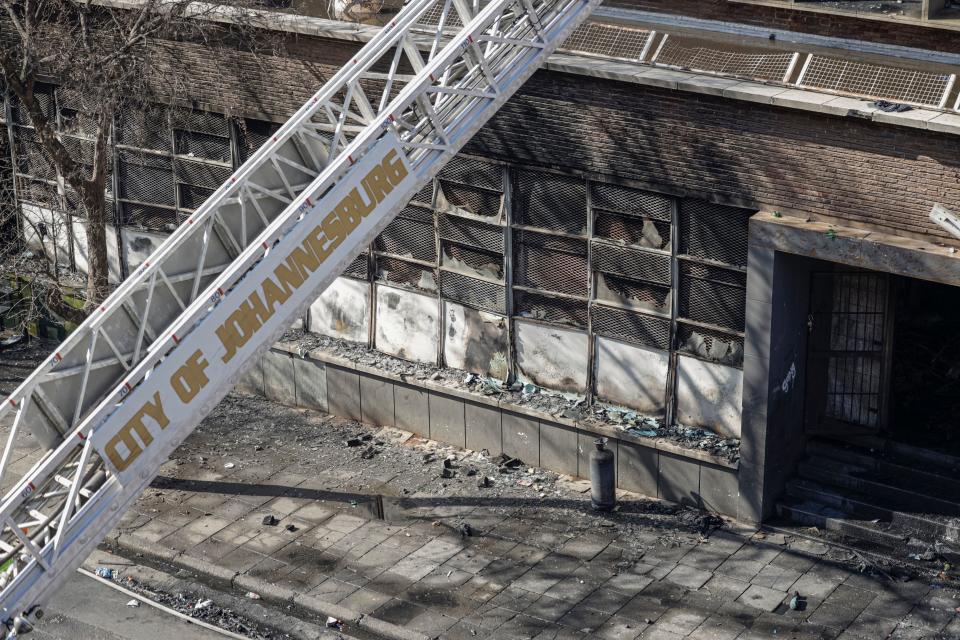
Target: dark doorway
{"points": [[925, 372]]}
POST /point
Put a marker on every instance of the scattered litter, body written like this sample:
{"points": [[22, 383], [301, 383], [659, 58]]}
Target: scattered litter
{"points": [[105, 572], [253, 595], [354, 442], [229, 465], [270, 520], [202, 604], [465, 530], [484, 482], [291, 528], [333, 623], [369, 452], [133, 603], [798, 602], [446, 472], [891, 107]]}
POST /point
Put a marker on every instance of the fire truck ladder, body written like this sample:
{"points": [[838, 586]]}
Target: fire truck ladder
{"points": [[100, 415]]}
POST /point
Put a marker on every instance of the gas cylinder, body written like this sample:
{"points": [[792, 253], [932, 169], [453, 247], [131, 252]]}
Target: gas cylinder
{"points": [[602, 490]]}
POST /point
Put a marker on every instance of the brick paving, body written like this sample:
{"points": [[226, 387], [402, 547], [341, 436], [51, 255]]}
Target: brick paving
{"points": [[539, 563]]}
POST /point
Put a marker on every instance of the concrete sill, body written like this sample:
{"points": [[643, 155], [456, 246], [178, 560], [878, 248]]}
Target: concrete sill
{"points": [[588, 426]]}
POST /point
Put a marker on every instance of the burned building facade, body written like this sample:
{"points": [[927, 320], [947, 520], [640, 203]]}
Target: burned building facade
{"points": [[703, 231]]}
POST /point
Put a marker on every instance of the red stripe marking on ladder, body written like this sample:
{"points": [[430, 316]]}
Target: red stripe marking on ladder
{"points": [[265, 247], [175, 339], [350, 158], [12, 401], [220, 291], [81, 436], [57, 356], [309, 202], [432, 79], [470, 39]]}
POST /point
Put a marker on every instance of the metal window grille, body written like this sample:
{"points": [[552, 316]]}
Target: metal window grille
{"points": [[472, 233], [609, 41], [45, 98], [633, 263], [201, 174], [472, 292], [147, 217], [213, 124], [633, 293], [714, 232], [712, 295], [474, 173], [408, 274], [483, 263], [147, 128], [709, 344], [192, 196], [641, 232], [770, 66], [551, 201], [146, 178], [38, 192], [624, 200], [358, 268], [551, 309], [31, 159], [201, 145], [630, 326], [473, 200], [424, 196], [551, 263], [405, 237], [863, 79]]}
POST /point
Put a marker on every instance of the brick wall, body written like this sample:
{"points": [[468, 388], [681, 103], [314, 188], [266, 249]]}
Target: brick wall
{"points": [[750, 154], [825, 24]]}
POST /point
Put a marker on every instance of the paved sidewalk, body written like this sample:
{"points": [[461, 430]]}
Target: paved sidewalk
{"points": [[538, 563]]}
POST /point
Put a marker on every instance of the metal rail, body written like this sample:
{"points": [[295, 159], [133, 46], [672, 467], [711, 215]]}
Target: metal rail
{"points": [[121, 393]]}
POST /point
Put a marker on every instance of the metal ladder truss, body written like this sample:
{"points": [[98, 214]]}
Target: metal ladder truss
{"points": [[124, 390]]}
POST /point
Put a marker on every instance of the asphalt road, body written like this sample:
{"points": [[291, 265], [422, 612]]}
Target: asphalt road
{"points": [[85, 609]]}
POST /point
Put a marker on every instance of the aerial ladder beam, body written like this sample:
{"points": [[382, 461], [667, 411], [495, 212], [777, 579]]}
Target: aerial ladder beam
{"points": [[114, 401]]}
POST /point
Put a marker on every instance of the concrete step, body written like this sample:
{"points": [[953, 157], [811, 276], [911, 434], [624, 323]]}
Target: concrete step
{"points": [[908, 494], [921, 469], [826, 518], [929, 527]]}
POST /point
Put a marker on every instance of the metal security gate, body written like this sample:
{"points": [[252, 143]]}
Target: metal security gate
{"points": [[848, 353]]}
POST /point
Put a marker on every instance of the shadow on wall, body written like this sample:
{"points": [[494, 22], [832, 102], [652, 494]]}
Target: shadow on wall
{"points": [[726, 150]]}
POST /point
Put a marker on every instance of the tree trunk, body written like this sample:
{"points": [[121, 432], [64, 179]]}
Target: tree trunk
{"points": [[95, 205]]}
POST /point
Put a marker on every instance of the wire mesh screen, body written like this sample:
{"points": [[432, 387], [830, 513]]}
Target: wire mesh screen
{"points": [[406, 274], [201, 145], [146, 178], [38, 192], [634, 263], [709, 344], [864, 79], [770, 66], [44, 97], [616, 198], [192, 196], [472, 292], [714, 232], [551, 202], [31, 159], [652, 234], [474, 173], [551, 263], [472, 233], [214, 124], [630, 326], [431, 18], [358, 268], [711, 299], [405, 237], [608, 40], [454, 197], [145, 128], [201, 174], [551, 309], [424, 196], [147, 217], [633, 293], [481, 263]]}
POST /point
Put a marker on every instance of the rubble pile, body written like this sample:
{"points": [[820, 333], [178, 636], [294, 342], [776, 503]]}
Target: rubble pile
{"points": [[523, 394]]}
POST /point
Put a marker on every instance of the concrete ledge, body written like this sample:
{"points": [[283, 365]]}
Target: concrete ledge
{"points": [[656, 467]]}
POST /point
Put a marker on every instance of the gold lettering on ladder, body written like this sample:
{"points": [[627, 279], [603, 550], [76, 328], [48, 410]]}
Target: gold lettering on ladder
{"points": [[125, 437], [303, 260]]}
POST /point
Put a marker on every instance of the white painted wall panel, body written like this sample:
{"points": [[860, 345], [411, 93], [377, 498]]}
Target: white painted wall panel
{"points": [[709, 395], [475, 341], [406, 324], [342, 311], [552, 357], [632, 375]]}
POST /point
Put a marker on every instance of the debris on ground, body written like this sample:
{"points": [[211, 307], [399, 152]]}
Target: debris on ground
{"points": [[334, 623], [105, 572], [253, 595], [270, 520], [133, 603], [525, 394]]}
